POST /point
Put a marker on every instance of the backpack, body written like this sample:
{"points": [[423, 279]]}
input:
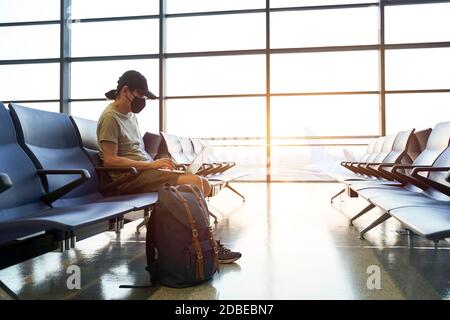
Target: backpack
{"points": [[180, 247]]}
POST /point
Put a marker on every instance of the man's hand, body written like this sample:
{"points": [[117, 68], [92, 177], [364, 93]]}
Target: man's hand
{"points": [[165, 163]]}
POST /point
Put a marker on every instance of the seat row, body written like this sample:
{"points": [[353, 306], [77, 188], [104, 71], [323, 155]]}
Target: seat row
{"points": [[406, 176]]}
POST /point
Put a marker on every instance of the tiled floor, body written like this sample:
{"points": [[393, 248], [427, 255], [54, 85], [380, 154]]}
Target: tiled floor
{"points": [[295, 245]]}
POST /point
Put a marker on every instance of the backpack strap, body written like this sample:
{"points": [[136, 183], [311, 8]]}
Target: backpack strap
{"points": [[210, 232], [152, 267], [198, 249]]}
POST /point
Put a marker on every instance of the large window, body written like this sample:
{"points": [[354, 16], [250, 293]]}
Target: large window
{"points": [[330, 115], [28, 10], [418, 69], [216, 75], [231, 117], [115, 38], [329, 71], [113, 8], [314, 28], [93, 79], [211, 33], [299, 81], [27, 42], [308, 3], [183, 6], [416, 110], [418, 23], [29, 82]]}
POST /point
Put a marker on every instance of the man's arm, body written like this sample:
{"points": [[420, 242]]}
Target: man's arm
{"points": [[111, 159]]}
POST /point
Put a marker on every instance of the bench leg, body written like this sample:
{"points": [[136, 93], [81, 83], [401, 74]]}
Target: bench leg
{"points": [[142, 224], [363, 211], [72, 240], [377, 222], [214, 216], [6, 293], [337, 195], [147, 212], [235, 191], [436, 244], [117, 225]]}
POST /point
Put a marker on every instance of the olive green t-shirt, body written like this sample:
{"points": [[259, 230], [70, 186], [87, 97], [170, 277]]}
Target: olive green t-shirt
{"points": [[123, 130]]}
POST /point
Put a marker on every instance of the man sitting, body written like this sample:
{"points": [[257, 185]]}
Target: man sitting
{"points": [[121, 145]]}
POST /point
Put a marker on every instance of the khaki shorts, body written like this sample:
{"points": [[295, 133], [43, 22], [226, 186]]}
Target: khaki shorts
{"points": [[149, 181]]}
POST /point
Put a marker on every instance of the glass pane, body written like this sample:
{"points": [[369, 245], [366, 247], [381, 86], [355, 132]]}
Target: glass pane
{"points": [[418, 69], [324, 115], [418, 110], [324, 28], [216, 75], [113, 8], [228, 117], [29, 82], [179, 6], [147, 118], [301, 3], [330, 71], [88, 110], [45, 106], [28, 10], [418, 23], [115, 38], [228, 32], [93, 79], [31, 42]]}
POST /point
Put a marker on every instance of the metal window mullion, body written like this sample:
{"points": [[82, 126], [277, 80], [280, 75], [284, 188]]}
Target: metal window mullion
{"points": [[268, 91], [162, 65], [65, 46], [382, 71]]}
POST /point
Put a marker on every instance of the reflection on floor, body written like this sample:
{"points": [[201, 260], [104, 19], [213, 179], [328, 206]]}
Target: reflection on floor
{"points": [[295, 245]]}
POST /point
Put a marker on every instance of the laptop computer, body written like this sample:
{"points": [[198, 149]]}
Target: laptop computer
{"points": [[199, 160]]}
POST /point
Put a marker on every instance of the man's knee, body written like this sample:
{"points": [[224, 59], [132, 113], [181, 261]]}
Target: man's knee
{"points": [[202, 183]]}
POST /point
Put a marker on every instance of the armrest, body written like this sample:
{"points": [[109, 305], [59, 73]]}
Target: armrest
{"points": [[428, 169], [361, 164], [432, 183], [384, 164], [62, 191], [5, 182], [376, 169], [404, 178], [132, 173], [406, 166]]}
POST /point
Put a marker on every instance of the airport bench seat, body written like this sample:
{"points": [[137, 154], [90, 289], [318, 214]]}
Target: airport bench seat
{"points": [[23, 207], [65, 152], [430, 222], [427, 191], [66, 218]]}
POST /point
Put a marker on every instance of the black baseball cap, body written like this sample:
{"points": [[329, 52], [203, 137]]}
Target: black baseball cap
{"points": [[135, 81]]}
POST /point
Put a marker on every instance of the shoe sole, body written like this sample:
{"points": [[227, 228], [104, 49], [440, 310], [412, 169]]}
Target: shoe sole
{"points": [[229, 260]]}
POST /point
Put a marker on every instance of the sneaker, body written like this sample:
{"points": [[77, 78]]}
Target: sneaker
{"points": [[226, 255]]}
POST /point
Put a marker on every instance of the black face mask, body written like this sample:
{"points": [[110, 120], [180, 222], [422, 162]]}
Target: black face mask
{"points": [[137, 104]]}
